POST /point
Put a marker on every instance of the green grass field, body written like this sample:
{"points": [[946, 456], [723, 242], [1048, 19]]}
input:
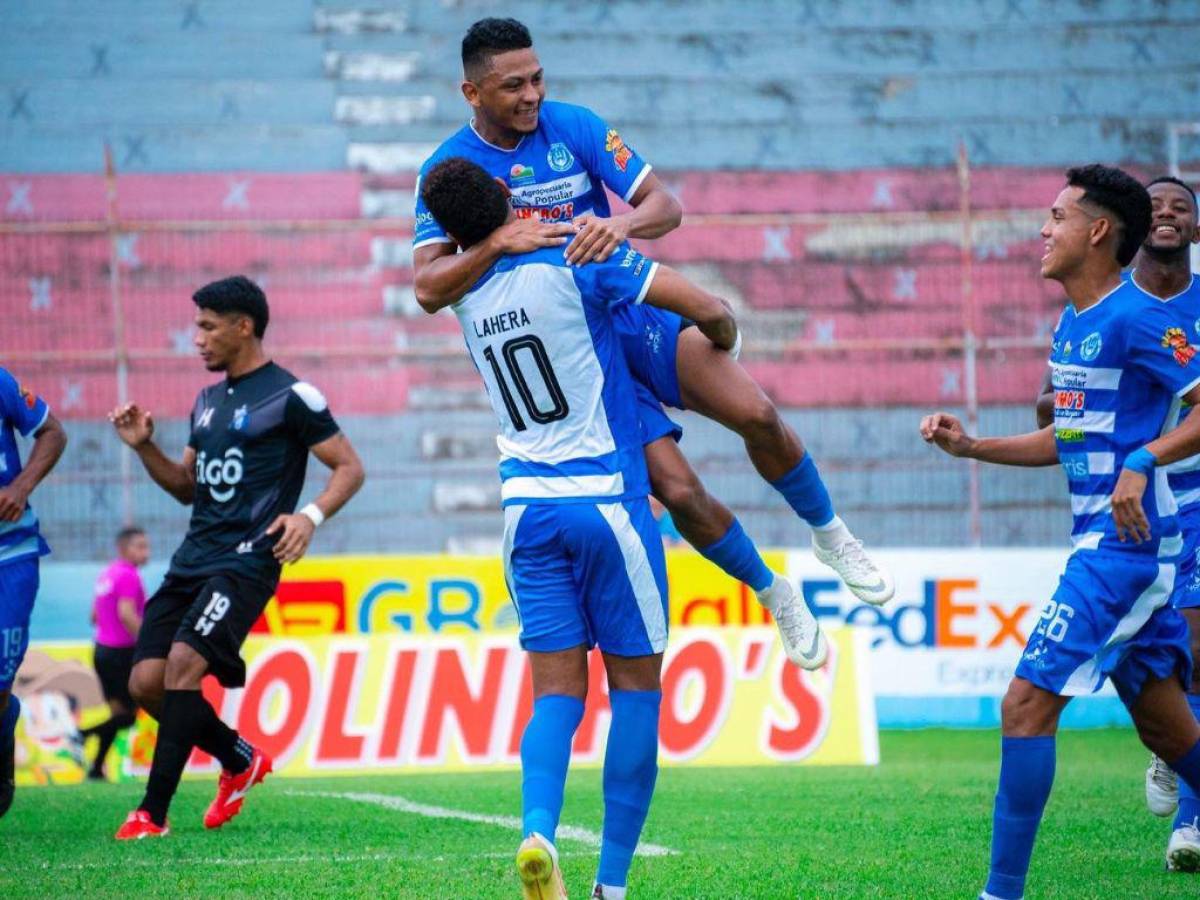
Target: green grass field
{"points": [[916, 826]]}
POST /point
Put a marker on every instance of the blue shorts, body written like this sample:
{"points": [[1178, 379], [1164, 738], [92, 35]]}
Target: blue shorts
{"points": [[649, 337], [1110, 617], [587, 573], [1187, 580], [18, 588]]}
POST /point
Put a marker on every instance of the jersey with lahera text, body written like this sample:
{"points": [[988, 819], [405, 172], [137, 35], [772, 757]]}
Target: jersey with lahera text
{"points": [[557, 172], [541, 334], [252, 436], [1116, 369], [20, 411]]}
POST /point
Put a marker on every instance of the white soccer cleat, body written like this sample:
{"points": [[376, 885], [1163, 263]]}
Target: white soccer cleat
{"points": [[1183, 850], [843, 552], [803, 641], [1162, 788], [537, 866]]}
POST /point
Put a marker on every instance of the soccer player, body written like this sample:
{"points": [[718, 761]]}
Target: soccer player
{"points": [[117, 609], [557, 160], [21, 547], [242, 472], [1119, 360], [582, 553]]}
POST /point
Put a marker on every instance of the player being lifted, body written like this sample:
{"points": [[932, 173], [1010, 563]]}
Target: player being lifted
{"points": [[21, 547], [1119, 360], [557, 159], [582, 555], [242, 472], [1162, 269]]}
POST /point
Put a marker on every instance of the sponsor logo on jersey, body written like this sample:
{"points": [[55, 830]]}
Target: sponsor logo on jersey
{"points": [[1067, 350], [205, 419], [1068, 400], [559, 157], [220, 476], [1090, 348], [239, 418], [27, 395], [1176, 340], [560, 212], [620, 153], [520, 172], [423, 219], [1069, 435]]}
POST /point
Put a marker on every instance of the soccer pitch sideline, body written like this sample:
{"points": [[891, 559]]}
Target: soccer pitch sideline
{"points": [[916, 826]]}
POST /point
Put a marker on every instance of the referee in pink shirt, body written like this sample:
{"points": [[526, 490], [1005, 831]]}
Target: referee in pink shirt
{"points": [[117, 615]]}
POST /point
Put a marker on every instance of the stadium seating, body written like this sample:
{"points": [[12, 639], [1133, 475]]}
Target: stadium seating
{"points": [[801, 139]]}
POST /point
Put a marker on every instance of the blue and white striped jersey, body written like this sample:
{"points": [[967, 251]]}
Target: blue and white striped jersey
{"points": [[20, 410], [1117, 369], [541, 334], [1184, 476]]}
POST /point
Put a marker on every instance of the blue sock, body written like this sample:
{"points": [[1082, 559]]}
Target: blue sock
{"points": [[8, 722], [1026, 776], [1189, 800], [545, 755], [736, 554], [630, 770], [805, 492]]}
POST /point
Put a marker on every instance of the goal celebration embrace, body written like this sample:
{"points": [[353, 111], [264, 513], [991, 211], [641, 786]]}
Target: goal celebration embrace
{"points": [[754, 450]]}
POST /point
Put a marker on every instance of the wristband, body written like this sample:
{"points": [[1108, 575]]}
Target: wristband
{"points": [[736, 350], [313, 513], [1141, 461]]}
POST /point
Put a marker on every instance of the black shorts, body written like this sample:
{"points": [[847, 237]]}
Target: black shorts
{"points": [[212, 614], [113, 665]]}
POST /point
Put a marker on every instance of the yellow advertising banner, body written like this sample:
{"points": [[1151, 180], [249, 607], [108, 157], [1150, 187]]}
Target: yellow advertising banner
{"points": [[389, 703]]}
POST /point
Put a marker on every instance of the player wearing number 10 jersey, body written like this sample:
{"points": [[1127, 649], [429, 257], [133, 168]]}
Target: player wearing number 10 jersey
{"points": [[242, 473], [582, 555]]}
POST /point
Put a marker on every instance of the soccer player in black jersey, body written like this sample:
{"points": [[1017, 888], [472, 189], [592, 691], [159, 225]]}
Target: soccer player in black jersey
{"points": [[242, 472]]}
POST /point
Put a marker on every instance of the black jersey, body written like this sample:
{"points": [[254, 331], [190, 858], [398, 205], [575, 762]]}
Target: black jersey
{"points": [[251, 436]]}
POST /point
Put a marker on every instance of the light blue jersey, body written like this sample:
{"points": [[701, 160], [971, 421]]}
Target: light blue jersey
{"points": [[24, 412], [1118, 369], [557, 173]]}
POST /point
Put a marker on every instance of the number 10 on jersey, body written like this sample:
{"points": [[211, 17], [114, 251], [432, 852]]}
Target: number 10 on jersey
{"points": [[521, 355]]}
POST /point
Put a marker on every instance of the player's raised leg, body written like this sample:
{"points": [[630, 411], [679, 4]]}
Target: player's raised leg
{"points": [[714, 384], [710, 527]]}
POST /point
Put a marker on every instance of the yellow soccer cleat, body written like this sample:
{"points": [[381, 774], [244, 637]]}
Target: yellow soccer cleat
{"points": [[537, 866]]}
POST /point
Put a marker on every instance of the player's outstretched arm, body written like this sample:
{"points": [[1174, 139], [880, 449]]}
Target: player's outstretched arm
{"points": [[1033, 449], [1045, 402], [442, 275], [670, 290], [655, 213], [135, 426], [347, 476], [49, 442]]}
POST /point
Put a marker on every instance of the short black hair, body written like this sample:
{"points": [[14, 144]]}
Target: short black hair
{"points": [[486, 38], [466, 201], [1171, 179], [236, 294], [1121, 194], [127, 533]]}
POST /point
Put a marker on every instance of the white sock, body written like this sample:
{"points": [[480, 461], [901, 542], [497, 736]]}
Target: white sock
{"points": [[768, 597], [832, 534]]}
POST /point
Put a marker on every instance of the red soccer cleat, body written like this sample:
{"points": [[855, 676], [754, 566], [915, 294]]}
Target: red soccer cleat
{"points": [[232, 790], [139, 825]]}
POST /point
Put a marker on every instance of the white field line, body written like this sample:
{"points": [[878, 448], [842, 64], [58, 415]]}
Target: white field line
{"points": [[401, 804], [255, 860]]}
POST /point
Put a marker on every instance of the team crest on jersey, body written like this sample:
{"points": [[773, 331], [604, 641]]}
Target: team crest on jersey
{"points": [[27, 395], [1176, 340], [620, 153], [239, 418], [1090, 348], [1196, 325], [1067, 350], [520, 172], [559, 157]]}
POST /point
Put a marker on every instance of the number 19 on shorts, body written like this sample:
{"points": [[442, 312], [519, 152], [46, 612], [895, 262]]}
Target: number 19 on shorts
{"points": [[214, 612]]}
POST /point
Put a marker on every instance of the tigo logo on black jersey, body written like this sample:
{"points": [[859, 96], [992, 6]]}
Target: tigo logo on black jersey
{"points": [[217, 472]]}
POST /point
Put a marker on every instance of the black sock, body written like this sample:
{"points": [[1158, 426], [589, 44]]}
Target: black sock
{"points": [[182, 715], [221, 742], [107, 732]]}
